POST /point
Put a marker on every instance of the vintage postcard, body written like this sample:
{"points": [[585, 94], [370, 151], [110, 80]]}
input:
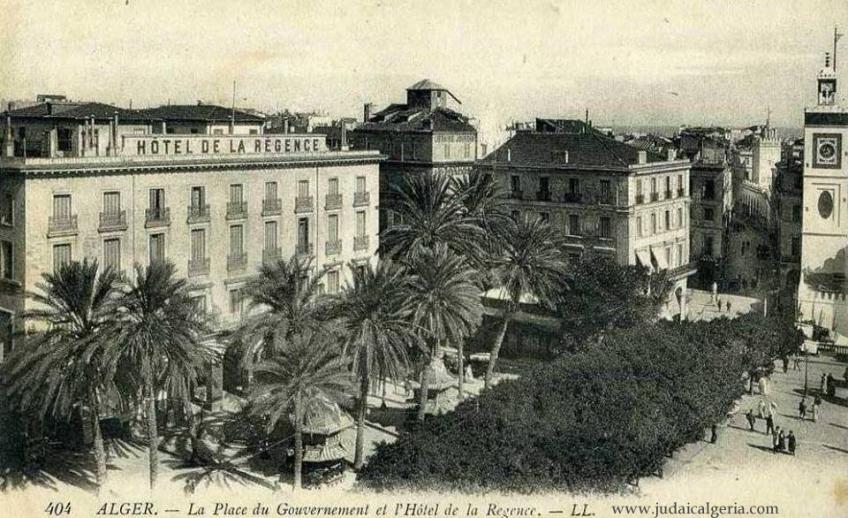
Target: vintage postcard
{"points": [[423, 259]]}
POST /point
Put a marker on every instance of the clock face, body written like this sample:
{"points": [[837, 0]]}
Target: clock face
{"points": [[826, 150], [825, 204]]}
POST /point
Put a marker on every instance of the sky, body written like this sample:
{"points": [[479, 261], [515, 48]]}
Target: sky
{"points": [[629, 63]]}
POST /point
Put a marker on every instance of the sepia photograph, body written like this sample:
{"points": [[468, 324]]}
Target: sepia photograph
{"points": [[408, 259]]}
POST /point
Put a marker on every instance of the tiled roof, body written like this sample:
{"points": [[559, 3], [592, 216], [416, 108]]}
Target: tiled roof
{"points": [[588, 148], [198, 112], [73, 111], [398, 117], [426, 84]]}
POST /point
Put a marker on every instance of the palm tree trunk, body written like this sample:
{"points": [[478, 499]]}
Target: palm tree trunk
{"points": [[152, 432], [358, 458], [423, 381], [298, 445], [461, 367], [496, 349], [99, 450]]}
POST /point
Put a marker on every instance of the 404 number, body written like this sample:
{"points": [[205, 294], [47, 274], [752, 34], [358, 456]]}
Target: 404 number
{"points": [[58, 508]]}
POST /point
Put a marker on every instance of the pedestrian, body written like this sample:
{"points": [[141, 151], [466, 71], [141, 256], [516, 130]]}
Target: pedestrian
{"points": [[792, 443], [713, 434], [763, 385], [769, 424], [728, 306], [785, 360], [752, 420], [802, 409], [831, 386], [796, 362], [762, 408], [823, 384], [815, 411], [719, 305], [775, 439], [784, 442]]}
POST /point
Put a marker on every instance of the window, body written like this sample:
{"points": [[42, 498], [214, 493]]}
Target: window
{"points": [[236, 193], [333, 227], [360, 184], [236, 240], [796, 247], [680, 258], [61, 256], [573, 185], [679, 218], [680, 186], [709, 190], [65, 137], [606, 227], [199, 302], [62, 206], [112, 254], [639, 230], [198, 197], [544, 184], [157, 247], [303, 232], [7, 212], [516, 214], [333, 186], [653, 185], [6, 262], [606, 191], [303, 188], [198, 244], [668, 256], [668, 186], [333, 281], [447, 151], [157, 200], [574, 224], [112, 202], [638, 187], [270, 235], [270, 190], [796, 214], [360, 223], [653, 223], [236, 301], [667, 219], [708, 214], [515, 183], [708, 246], [466, 150], [544, 216]]}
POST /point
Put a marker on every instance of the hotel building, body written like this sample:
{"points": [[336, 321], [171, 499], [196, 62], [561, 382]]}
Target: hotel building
{"points": [[606, 197], [201, 186]]}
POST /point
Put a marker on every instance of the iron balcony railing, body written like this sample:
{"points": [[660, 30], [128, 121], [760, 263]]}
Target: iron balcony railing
{"points": [[198, 213], [111, 221], [360, 243], [303, 204], [199, 266], [62, 225], [333, 247], [333, 201], [272, 206], [236, 209], [361, 198], [157, 217]]}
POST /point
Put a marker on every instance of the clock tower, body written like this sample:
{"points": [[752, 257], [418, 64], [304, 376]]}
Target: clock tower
{"points": [[824, 236]]}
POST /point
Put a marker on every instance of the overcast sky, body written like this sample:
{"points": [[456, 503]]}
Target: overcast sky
{"points": [[649, 62]]}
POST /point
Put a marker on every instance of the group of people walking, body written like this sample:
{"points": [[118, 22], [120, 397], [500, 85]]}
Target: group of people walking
{"points": [[781, 441], [815, 411]]}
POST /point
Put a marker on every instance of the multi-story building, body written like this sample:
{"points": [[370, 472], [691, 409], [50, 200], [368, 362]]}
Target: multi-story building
{"points": [[824, 222], [423, 135], [607, 198], [788, 206], [216, 205]]}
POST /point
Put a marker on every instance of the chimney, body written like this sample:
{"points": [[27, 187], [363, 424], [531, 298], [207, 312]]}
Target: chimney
{"points": [[285, 125], [671, 154], [115, 135], [642, 157], [508, 155], [343, 138], [565, 156], [9, 147], [366, 112]]}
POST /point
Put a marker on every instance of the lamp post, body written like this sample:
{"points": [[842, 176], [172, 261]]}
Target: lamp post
{"points": [[806, 366]]}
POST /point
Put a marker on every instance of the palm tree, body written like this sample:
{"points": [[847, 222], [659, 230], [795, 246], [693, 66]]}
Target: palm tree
{"points": [[286, 295], [60, 367], [374, 321], [531, 264], [431, 212], [445, 303], [162, 330], [305, 367]]}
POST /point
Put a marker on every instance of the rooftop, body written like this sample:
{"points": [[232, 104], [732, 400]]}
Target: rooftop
{"points": [[400, 117], [86, 110], [199, 112]]}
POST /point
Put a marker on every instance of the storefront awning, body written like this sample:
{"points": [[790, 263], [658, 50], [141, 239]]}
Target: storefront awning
{"points": [[644, 259], [659, 257]]}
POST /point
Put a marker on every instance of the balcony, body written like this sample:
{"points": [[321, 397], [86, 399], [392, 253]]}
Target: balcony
{"points": [[333, 201], [655, 196], [681, 193], [606, 198], [572, 197], [361, 198], [198, 267], [333, 247], [158, 217], [272, 207], [58, 226], [543, 196], [516, 195], [305, 249], [113, 221], [640, 199], [236, 262], [667, 195], [360, 243], [271, 255], [236, 210], [303, 204], [198, 214]]}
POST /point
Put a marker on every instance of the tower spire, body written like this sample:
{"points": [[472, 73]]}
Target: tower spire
{"points": [[836, 36]]}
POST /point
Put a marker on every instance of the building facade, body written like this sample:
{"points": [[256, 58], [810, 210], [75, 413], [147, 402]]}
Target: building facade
{"points": [[607, 198], [216, 205], [824, 223], [423, 135]]}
